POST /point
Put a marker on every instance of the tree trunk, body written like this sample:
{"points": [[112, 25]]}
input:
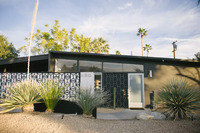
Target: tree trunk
{"points": [[147, 52]]}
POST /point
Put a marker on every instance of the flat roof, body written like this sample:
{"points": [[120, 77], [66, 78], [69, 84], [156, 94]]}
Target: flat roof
{"points": [[135, 58], [23, 59], [105, 56]]}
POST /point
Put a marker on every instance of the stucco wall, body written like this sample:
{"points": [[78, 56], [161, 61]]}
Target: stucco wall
{"points": [[163, 73]]}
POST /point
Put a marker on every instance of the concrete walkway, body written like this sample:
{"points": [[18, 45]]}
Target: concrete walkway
{"points": [[123, 115]]}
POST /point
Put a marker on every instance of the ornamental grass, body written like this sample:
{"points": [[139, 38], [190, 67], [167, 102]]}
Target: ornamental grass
{"points": [[89, 100], [178, 99], [51, 93], [20, 95]]}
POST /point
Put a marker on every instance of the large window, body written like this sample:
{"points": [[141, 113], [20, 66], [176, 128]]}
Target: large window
{"points": [[90, 66], [66, 65], [119, 67], [132, 68], [112, 67]]}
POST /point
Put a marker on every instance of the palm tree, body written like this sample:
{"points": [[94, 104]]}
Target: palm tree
{"points": [[118, 52], [147, 47], [100, 45], [31, 36], [142, 32]]}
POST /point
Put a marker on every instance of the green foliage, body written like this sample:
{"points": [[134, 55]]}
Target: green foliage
{"points": [[142, 32], [20, 95], [178, 99], [55, 39], [51, 93], [7, 50], [89, 100], [84, 44], [118, 52], [79, 43], [147, 47], [100, 45]]}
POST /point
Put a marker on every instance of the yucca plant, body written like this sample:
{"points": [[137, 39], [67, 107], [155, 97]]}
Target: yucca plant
{"points": [[178, 99], [23, 94], [89, 100], [51, 93]]}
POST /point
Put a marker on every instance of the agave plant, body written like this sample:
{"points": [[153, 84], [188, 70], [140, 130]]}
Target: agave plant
{"points": [[178, 99], [23, 94], [51, 94], [89, 100]]}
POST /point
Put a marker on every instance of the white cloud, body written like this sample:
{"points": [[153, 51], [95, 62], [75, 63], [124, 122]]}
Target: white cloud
{"points": [[125, 6], [187, 47], [164, 27], [166, 21]]}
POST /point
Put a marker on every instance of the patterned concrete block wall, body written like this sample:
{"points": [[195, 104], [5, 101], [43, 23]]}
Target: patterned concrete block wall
{"points": [[120, 82], [71, 81]]}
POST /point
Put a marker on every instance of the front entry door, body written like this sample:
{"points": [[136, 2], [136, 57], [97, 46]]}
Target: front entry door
{"points": [[87, 81], [136, 90]]}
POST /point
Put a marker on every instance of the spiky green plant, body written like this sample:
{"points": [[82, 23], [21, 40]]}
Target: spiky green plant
{"points": [[178, 99], [51, 94], [20, 95], [89, 100]]}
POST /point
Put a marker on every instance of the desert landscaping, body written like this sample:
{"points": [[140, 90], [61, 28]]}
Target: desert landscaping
{"points": [[53, 123]]}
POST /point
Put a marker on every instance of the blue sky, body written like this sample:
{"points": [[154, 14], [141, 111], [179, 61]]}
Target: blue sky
{"points": [[115, 20]]}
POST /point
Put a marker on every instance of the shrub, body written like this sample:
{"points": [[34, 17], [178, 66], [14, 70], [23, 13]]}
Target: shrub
{"points": [[89, 100], [51, 94], [178, 99], [21, 94]]}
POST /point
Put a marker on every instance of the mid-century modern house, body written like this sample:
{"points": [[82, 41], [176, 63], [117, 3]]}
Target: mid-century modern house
{"points": [[134, 77]]}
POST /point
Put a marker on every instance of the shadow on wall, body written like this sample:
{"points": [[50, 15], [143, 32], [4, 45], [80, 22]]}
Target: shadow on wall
{"points": [[163, 73], [188, 74]]}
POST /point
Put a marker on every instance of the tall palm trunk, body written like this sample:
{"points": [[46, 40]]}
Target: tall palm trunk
{"points": [[147, 52], [142, 43], [31, 37]]}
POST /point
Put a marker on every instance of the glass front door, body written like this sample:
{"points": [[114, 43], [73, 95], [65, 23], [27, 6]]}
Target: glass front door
{"points": [[136, 90]]}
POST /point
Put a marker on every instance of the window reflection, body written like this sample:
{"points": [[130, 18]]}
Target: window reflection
{"points": [[112, 67], [66, 65], [119, 67], [90, 66], [132, 68]]}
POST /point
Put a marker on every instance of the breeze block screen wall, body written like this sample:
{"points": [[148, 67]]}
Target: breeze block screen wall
{"points": [[71, 82], [120, 82]]}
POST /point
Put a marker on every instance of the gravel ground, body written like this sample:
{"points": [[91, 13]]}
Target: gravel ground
{"points": [[52, 123]]}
